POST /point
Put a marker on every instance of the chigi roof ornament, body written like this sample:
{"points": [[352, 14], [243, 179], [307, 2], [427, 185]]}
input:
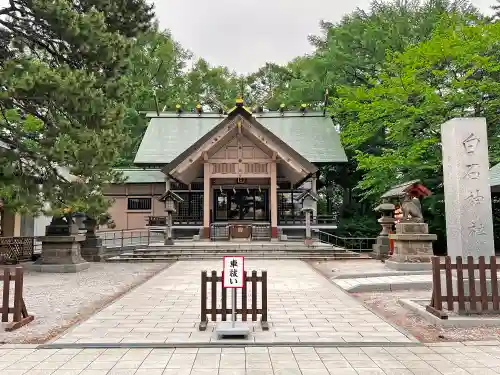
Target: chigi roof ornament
{"points": [[178, 109], [282, 109], [303, 108], [199, 109]]}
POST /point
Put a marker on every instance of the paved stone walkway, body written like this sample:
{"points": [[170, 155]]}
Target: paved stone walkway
{"points": [[303, 307], [384, 283], [447, 359]]}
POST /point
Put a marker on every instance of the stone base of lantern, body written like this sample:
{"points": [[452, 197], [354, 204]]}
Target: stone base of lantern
{"points": [[60, 254], [381, 248], [92, 250], [412, 247]]}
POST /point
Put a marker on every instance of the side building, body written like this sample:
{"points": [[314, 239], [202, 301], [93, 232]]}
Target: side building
{"points": [[235, 170]]}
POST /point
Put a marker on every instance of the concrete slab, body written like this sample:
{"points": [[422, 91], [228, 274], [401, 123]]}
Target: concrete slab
{"points": [[230, 330]]}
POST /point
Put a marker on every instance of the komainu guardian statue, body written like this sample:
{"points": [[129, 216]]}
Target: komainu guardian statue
{"points": [[412, 209]]}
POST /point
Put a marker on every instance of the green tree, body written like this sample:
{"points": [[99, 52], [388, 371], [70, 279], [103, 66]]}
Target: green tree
{"points": [[212, 86], [453, 74], [352, 54], [64, 69], [265, 85], [157, 75]]}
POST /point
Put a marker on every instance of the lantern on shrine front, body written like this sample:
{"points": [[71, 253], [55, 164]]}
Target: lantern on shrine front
{"points": [[308, 200], [170, 200]]}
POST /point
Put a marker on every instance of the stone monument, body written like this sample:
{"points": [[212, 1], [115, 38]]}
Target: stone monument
{"points": [[91, 248], [412, 241], [382, 246], [469, 217], [61, 247], [170, 199]]}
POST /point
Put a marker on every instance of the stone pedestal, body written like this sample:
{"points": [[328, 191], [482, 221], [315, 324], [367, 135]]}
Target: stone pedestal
{"points": [[412, 247], [91, 249], [167, 233], [381, 248], [167, 238], [60, 254]]}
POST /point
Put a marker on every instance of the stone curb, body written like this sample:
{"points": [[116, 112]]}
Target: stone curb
{"points": [[402, 266], [223, 345], [379, 287], [455, 322], [379, 274], [229, 343]]}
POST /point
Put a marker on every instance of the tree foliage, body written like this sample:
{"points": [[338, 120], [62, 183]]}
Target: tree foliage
{"points": [[77, 75], [64, 88], [350, 56], [453, 74], [158, 80]]}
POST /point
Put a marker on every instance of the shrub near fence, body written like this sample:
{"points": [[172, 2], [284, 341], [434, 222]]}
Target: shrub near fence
{"points": [[464, 298]]}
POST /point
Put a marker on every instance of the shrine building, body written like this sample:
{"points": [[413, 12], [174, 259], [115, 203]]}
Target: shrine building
{"points": [[242, 169]]}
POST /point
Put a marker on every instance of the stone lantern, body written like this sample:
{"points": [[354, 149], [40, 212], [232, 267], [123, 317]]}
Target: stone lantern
{"points": [[382, 246], [170, 200], [412, 240], [308, 200], [91, 248], [61, 247]]}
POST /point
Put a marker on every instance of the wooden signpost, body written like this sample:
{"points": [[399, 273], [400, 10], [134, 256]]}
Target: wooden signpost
{"points": [[233, 277]]}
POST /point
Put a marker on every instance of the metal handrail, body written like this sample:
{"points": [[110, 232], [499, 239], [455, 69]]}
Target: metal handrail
{"points": [[184, 220], [301, 220], [129, 237], [360, 244]]}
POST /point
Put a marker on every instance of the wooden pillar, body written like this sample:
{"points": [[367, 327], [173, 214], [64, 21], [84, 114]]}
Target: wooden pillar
{"points": [[17, 225], [274, 200], [206, 200]]}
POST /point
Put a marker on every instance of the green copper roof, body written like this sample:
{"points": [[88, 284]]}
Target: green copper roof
{"points": [[142, 176], [312, 135], [495, 175]]}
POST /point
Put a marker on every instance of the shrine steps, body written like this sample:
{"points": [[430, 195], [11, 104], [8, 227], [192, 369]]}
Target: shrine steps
{"points": [[169, 254]]}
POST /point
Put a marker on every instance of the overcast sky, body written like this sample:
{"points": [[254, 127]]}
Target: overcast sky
{"points": [[244, 35]]}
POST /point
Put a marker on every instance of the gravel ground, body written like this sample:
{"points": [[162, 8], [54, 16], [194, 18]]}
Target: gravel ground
{"points": [[59, 300], [386, 305]]}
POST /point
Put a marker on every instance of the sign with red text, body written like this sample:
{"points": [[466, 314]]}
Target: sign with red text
{"points": [[233, 272]]}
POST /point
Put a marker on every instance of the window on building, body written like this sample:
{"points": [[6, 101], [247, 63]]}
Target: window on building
{"points": [[139, 204]]}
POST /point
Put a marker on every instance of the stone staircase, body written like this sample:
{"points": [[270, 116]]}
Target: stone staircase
{"points": [[190, 250]]}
